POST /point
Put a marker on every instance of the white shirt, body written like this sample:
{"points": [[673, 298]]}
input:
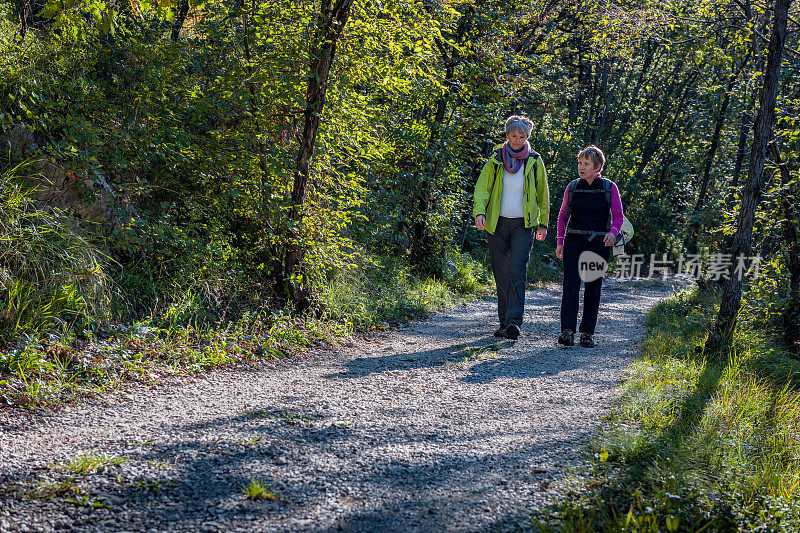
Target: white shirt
{"points": [[511, 197]]}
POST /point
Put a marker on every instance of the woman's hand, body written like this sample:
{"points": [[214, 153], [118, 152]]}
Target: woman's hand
{"points": [[610, 239], [560, 251], [541, 233], [480, 222]]}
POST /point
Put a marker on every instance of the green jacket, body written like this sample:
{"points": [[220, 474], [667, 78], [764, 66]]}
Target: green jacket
{"points": [[535, 193]]}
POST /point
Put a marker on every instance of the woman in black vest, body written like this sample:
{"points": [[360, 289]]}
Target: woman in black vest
{"points": [[588, 223]]}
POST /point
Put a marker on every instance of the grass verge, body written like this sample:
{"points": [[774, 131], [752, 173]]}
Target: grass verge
{"points": [[63, 481], [698, 441], [48, 370]]}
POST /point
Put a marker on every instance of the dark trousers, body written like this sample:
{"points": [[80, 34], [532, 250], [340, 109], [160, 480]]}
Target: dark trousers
{"points": [[509, 250], [572, 286]]}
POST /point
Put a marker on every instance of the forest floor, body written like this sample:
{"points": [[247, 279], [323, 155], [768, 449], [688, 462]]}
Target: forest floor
{"points": [[436, 426]]}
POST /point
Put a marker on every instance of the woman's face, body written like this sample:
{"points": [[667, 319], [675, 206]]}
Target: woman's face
{"points": [[586, 168], [516, 139]]}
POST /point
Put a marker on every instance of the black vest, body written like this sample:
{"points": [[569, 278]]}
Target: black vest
{"points": [[588, 212]]}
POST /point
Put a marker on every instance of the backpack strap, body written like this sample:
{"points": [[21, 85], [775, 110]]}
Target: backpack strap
{"points": [[570, 195], [532, 156], [590, 234], [606, 190]]}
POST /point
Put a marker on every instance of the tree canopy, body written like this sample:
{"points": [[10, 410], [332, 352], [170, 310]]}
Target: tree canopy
{"points": [[259, 149]]}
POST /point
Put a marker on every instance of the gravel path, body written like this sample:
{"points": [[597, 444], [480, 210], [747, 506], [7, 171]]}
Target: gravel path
{"points": [[422, 428]]}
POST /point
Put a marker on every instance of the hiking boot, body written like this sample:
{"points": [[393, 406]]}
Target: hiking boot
{"points": [[501, 332], [567, 338], [512, 331], [586, 340]]}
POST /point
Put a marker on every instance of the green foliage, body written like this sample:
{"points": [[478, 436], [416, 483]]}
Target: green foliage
{"points": [[50, 372], [89, 462], [698, 440], [466, 275], [377, 294], [46, 491], [197, 139], [768, 298], [51, 278], [258, 490]]}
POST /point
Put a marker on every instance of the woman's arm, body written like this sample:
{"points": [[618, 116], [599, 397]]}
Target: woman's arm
{"points": [[483, 190], [563, 219], [542, 194]]}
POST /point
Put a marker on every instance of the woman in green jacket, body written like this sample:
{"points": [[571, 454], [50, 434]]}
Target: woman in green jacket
{"points": [[511, 199]]}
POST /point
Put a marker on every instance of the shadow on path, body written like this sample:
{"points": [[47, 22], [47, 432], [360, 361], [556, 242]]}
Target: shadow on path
{"points": [[455, 353]]}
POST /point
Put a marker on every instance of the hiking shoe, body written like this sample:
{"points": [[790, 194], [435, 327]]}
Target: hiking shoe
{"points": [[512, 331], [567, 338], [586, 340], [501, 332]]}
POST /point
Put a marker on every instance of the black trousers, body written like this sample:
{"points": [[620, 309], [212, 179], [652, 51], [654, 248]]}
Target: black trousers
{"points": [[572, 286], [509, 251]]}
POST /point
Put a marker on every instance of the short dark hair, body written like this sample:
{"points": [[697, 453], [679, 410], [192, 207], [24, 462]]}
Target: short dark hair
{"points": [[593, 154]]}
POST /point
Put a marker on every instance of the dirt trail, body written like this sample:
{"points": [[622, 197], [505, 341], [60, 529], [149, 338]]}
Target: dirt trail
{"points": [[432, 427]]}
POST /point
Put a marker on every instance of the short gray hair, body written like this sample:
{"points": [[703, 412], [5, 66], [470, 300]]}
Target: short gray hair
{"points": [[520, 124]]}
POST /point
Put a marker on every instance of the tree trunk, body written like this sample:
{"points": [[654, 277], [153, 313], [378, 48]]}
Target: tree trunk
{"points": [[251, 89], [751, 194], [598, 106], [625, 122], [591, 115], [601, 121], [744, 132], [583, 81], [706, 183], [24, 14], [180, 18], [424, 253], [270, 254], [528, 38], [791, 248], [747, 117], [658, 133], [475, 170], [331, 20]]}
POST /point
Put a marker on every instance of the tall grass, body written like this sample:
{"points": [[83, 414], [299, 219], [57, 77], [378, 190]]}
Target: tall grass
{"points": [[371, 296], [50, 277], [379, 293], [698, 441]]}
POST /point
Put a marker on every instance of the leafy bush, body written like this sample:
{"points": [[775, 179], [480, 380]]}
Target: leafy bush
{"points": [[767, 299]]}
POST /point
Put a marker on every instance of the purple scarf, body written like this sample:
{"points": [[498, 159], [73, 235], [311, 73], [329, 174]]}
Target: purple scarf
{"points": [[512, 160]]}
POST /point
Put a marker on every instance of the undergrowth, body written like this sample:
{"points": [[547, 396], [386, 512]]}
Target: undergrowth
{"points": [[699, 441], [51, 278], [59, 339], [52, 370]]}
